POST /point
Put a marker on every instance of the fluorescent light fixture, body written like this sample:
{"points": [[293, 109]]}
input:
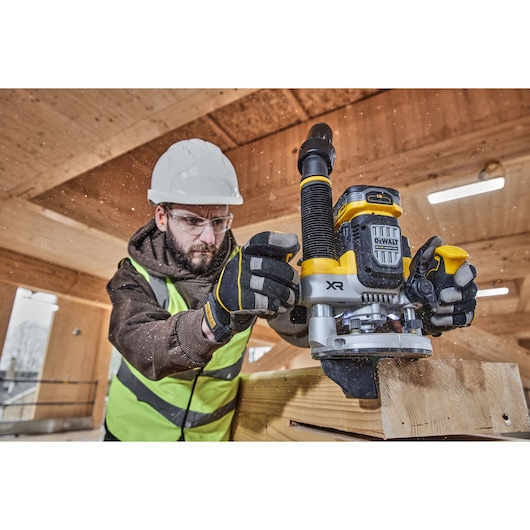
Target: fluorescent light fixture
{"points": [[493, 292], [459, 192]]}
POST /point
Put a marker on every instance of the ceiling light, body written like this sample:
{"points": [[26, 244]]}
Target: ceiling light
{"points": [[493, 292], [466, 191], [487, 181]]}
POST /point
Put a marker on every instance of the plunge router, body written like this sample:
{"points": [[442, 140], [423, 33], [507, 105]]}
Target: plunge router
{"points": [[354, 277]]}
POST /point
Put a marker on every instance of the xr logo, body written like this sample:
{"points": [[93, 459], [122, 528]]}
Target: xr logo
{"points": [[335, 286]]}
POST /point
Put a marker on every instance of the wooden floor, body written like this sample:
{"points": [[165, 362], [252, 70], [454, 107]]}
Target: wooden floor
{"points": [[95, 435]]}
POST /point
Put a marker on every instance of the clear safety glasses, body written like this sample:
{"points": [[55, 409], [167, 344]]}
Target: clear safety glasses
{"points": [[194, 225]]}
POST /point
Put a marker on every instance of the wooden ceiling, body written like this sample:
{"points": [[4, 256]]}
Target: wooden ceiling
{"points": [[75, 167]]}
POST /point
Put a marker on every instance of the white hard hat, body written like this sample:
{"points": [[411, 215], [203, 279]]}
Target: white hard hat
{"points": [[194, 172]]}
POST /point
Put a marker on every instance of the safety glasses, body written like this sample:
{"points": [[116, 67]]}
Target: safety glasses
{"points": [[194, 225]]}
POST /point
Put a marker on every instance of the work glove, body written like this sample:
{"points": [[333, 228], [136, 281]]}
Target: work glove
{"points": [[257, 282], [442, 280]]}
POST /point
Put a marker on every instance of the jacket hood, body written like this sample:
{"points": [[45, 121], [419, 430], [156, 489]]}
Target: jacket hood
{"points": [[148, 247]]}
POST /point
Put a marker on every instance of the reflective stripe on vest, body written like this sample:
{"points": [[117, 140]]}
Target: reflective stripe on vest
{"points": [[228, 373], [200, 401], [174, 414]]}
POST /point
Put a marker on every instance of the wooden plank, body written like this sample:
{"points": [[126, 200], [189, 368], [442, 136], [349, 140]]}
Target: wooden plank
{"points": [[85, 199], [419, 398], [446, 397], [271, 401]]}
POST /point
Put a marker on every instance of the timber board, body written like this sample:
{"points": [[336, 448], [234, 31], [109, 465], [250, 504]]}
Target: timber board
{"points": [[422, 398]]}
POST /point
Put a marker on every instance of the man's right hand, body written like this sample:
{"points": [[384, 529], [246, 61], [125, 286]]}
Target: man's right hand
{"points": [[257, 282], [451, 303]]}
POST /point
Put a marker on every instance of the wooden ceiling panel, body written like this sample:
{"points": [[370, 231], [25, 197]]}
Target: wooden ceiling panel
{"points": [[320, 101], [102, 113], [479, 218], [259, 115], [204, 128], [31, 150], [111, 198]]}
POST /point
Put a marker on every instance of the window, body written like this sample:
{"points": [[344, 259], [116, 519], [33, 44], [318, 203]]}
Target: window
{"points": [[257, 352], [25, 347]]}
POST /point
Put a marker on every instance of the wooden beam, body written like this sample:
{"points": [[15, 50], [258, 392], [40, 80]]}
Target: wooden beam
{"points": [[191, 105], [421, 398], [49, 235], [20, 270]]}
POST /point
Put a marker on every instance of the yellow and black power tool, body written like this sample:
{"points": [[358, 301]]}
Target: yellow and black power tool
{"points": [[354, 278]]}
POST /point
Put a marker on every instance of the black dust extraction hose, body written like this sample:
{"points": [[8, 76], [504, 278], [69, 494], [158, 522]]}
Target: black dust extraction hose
{"points": [[315, 164]]}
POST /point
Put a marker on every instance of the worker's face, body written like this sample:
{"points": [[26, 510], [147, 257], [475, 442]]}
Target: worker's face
{"points": [[193, 241]]}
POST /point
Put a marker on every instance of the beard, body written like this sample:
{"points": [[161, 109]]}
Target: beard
{"points": [[204, 263]]}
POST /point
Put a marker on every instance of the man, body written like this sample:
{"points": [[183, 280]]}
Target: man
{"points": [[185, 300], [182, 352]]}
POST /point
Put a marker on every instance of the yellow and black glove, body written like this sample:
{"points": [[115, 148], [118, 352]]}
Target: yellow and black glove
{"points": [[257, 282], [442, 279]]}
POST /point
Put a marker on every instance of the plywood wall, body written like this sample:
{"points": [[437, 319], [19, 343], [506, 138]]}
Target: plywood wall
{"points": [[77, 359]]}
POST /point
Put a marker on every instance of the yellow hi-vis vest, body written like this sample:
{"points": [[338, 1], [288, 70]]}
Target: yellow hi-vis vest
{"points": [[196, 405]]}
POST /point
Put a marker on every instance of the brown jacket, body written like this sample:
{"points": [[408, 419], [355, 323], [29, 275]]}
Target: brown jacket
{"points": [[153, 341]]}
